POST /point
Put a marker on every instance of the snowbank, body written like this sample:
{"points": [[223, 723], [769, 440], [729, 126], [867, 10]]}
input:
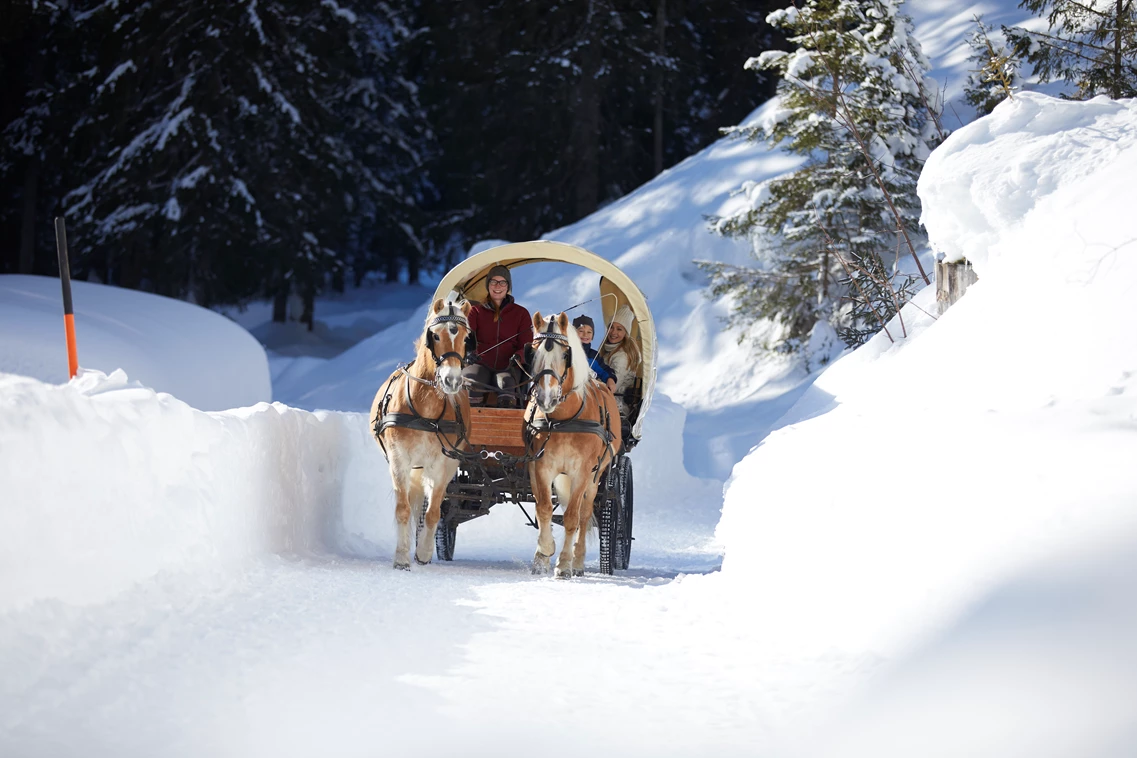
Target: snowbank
{"points": [[921, 473], [107, 483], [194, 354], [1044, 666]]}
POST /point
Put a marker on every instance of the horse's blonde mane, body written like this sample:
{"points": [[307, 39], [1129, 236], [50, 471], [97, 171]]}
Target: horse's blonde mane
{"points": [[580, 367]]}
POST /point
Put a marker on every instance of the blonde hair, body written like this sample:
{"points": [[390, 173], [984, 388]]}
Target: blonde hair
{"points": [[628, 346], [489, 303]]}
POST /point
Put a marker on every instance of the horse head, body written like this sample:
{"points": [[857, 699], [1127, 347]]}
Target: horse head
{"points": [[554, 348], [449, 341]]}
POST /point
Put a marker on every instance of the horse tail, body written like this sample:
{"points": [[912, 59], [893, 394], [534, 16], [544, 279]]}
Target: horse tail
{"points": [[563, 487]]}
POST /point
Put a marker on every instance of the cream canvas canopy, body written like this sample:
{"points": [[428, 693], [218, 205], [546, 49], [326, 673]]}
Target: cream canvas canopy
{"points": [[468, 280]]}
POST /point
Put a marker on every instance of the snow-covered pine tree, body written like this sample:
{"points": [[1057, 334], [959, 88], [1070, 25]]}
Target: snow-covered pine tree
{"points": [[390, 136], [227, 145], [854, 102], [995, 75], [1091, 44]]}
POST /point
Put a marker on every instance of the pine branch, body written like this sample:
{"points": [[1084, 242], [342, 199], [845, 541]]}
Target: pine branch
{"points": [[1085, 8], [852, 126]]}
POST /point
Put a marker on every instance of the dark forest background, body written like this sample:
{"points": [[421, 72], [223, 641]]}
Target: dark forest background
{"points": [[224, 150]]}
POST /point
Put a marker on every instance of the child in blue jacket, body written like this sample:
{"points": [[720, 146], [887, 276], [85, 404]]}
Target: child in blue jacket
{"points": [[585, 329]]}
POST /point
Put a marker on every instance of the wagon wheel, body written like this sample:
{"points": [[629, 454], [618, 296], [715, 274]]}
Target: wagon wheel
{"points": [[445, 535], [420, 518], [615, 519], [622, 551]]}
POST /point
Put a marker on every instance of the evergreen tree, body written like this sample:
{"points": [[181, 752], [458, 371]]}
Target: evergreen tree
{"points": [[827, 237], [1092, 45], [389, 133], [222, 150], [995, 76], [41, 69]]}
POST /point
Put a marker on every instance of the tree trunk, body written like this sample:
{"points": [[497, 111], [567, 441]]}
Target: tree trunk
{"points": [[392, 270], [661, 37], [280, 306], [1117, 32], [586, 133], [952, 281], [309, 314], [824, 294], [414, 266], [28, 225]]}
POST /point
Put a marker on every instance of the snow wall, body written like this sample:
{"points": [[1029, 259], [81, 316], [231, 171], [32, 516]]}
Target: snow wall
{"points": [[919, 473], [106, 483]]}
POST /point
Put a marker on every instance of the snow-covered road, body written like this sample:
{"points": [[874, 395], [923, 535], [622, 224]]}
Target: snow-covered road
{"points": [[348, 657]]}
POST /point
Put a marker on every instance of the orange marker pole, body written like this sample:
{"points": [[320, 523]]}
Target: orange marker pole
{"points": [[68, 310]]}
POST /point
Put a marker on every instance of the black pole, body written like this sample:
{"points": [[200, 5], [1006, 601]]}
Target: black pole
{"points": [[68, 309], [64, 266]]}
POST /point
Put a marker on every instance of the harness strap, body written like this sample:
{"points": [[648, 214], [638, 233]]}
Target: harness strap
{"points": [[572, 425], [416, 421]]}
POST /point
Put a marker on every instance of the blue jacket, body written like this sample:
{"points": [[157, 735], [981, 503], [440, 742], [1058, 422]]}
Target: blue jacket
{"points": [[603, 372]]}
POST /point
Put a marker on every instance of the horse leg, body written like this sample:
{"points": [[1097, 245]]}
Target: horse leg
{"points": [[542, 485], [586, 509], [440, 475], [408, 494], [572, 529]]}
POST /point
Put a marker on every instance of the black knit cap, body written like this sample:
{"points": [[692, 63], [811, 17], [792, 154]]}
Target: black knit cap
{"points": [[503, 272], [582, 320]]}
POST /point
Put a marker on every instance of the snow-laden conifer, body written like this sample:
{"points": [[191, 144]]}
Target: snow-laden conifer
{"points": [[233, 149], [1091, 44], [854, 100]]}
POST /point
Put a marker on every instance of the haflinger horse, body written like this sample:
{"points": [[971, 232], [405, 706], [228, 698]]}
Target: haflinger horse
{"points": [[575, 430], [418, 416]]}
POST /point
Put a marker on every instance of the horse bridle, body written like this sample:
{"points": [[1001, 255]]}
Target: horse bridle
{"points": [[551, 338], [449, 318]]}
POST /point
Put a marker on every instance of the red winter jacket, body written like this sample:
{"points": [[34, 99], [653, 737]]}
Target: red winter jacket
{"points": [[514, 330]]}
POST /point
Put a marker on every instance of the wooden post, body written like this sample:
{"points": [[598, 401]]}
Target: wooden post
{"points": [[68, 310], [952, 280]]}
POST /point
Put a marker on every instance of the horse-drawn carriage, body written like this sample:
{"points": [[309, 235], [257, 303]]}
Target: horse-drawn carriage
{"points": [[565, 450]]}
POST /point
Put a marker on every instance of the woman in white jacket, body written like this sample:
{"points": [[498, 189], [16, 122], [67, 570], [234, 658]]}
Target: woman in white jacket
{"points": [[622, 354]]}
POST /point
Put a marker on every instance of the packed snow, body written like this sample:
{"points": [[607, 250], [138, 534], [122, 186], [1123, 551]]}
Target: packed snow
{"points": [[169, 345], [181, 578]]}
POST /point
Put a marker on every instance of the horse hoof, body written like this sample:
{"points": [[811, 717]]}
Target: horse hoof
{"points": [[422, 563], [402, 566], [560, 573], [578, 572]]}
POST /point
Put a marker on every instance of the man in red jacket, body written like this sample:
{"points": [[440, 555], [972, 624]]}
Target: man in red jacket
{"points": [[503, 329]]}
